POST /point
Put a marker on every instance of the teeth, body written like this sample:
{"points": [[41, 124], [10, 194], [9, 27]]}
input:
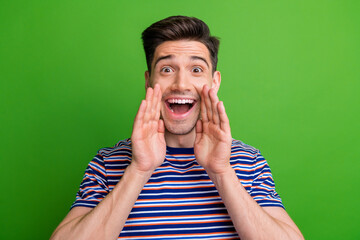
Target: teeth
{"points": [[181, 101]]}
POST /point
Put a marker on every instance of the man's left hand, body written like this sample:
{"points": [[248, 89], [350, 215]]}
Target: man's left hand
{"points": [[213, 136]]}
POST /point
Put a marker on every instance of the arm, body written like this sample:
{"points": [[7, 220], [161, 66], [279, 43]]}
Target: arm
{"points": [[108, 218], [250, 220], [212, 151]]}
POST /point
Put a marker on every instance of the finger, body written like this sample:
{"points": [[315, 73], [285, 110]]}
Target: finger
{"points": [[148, 98], [155, 95], [154, 101], [161, 127], [207, 101], [140, 114], [203, 106], [149, 94], [214, 101], [224, 120], [158, 102], [199, 126], [198, 131]]}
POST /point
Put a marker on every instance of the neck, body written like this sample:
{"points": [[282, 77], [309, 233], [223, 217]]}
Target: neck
{"points": [[180, 141]]}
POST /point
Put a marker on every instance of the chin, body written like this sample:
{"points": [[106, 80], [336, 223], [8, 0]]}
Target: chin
{"points": [[180, 129]]}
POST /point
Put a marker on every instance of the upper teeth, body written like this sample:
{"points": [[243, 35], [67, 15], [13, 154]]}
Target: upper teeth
{"points": [[181, 101]]}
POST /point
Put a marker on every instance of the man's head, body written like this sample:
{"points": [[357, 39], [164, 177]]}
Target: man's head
{"points": [[179, 28], [181, 57]]}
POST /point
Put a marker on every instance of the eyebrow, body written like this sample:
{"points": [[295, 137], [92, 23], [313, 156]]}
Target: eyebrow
{"points": [[162, 58], [171, 56], [200, 58]]}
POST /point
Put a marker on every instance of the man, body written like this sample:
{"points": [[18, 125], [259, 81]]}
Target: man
{"points": [[181, 175]]}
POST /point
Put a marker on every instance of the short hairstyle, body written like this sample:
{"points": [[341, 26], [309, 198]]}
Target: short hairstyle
{"points": [[179, 28]]}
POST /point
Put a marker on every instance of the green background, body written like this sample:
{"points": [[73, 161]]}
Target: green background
{"points": [[72, 78]]}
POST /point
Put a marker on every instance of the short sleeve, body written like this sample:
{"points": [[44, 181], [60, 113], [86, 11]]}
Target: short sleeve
{"points": [[93, 187], [263, 186]]}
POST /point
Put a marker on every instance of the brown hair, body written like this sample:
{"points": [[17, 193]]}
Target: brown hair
{"points": [[179, 28]]}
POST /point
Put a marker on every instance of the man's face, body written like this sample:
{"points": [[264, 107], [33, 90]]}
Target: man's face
{"points": [[181, 68]]}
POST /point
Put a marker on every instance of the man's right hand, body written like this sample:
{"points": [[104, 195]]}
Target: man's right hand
{"points": [[108, 218], [148, 142]]}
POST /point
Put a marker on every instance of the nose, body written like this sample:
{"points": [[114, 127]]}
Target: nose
{"points": [[180, 81]]}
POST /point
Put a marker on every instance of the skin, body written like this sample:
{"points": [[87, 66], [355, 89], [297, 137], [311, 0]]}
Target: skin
{"points": [[180, 70]]}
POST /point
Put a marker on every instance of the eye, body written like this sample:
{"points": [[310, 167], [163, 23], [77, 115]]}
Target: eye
{"points": [[197, 70], [166, 70]]}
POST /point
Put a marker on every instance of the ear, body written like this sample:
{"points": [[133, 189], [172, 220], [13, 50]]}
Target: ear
{"points": [[216, 81], [147, 80]]}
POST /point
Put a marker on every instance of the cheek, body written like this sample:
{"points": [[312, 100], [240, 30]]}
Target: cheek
{"points": [[160, 81], [201, 83]]}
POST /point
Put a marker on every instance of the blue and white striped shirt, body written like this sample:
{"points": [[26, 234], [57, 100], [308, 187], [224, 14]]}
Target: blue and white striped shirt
{"points": [[179, 201]]}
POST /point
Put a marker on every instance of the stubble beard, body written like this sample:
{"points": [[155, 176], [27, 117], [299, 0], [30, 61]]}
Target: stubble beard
{"points": [[177, 127]]}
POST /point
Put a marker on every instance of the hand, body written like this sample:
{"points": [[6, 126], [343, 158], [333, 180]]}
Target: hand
{"points": [[148, 142], [213, 136]]}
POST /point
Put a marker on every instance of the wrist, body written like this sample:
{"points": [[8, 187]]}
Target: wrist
{"points": [[136, 170], [220, 171], [226, 179]]}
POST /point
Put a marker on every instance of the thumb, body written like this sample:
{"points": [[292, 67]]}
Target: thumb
{"points": [[198, 131], [161, 127]]}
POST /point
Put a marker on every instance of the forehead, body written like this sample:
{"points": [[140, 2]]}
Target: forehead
{"points": [[182, 48]]}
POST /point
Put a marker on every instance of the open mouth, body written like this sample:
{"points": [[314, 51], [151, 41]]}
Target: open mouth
{"points": [[180, 105]]}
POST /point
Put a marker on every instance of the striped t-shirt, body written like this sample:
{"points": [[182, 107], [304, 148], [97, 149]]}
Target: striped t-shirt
{"points": [[179, 201]]}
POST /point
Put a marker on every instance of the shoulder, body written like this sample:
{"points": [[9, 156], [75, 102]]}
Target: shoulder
{"points": [[246, 156], [123, 147], [244, 150], [112, 161], [110, 156]]}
